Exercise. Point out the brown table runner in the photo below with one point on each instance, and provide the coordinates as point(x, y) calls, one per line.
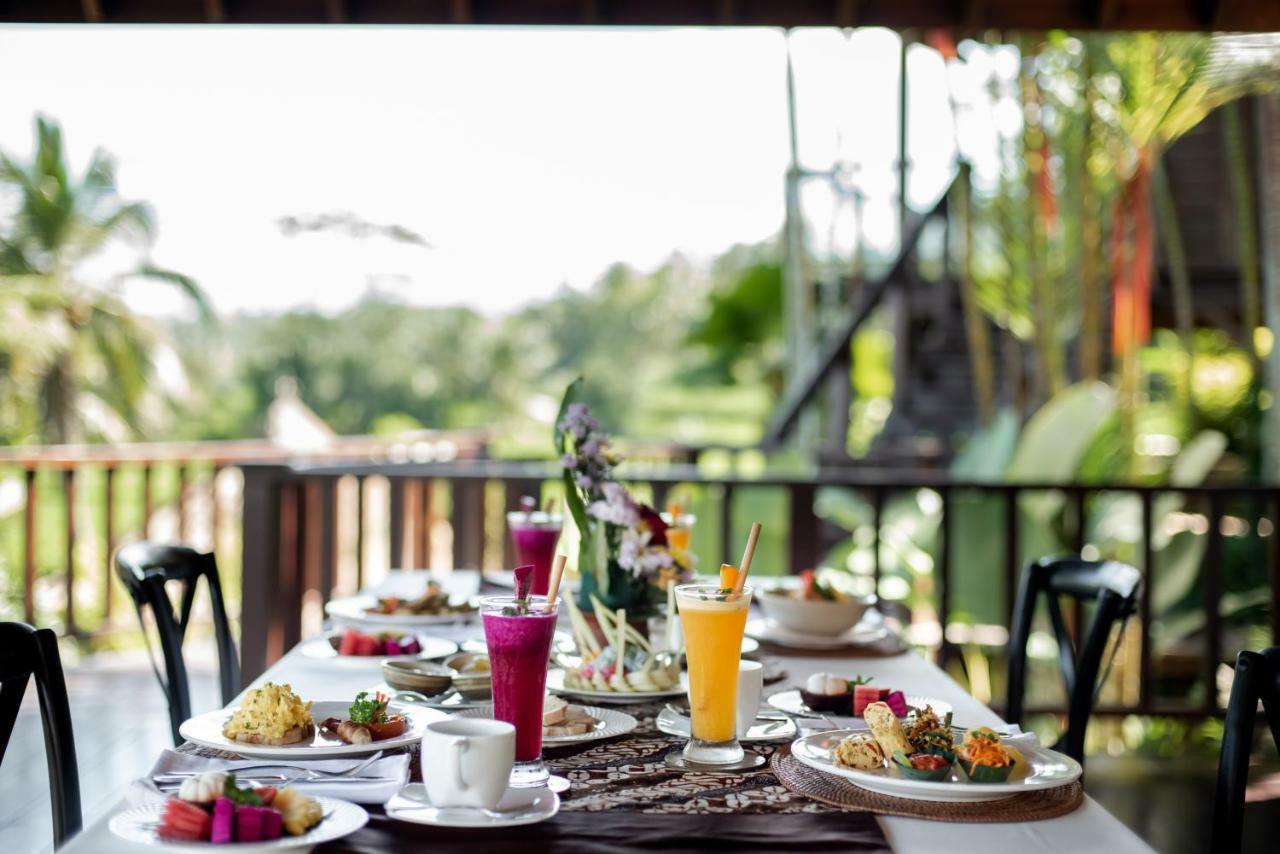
point(622, 797)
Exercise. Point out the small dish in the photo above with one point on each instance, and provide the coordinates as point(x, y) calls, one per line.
point(471, 676)
point(424, 677)
point(517, 807)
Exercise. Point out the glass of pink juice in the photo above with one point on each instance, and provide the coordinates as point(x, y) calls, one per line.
point(518, 633)
point(535, 535)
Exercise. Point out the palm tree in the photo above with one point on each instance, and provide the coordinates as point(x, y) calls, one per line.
point(67, 338)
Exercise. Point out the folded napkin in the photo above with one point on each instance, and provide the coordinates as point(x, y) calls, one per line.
point(387, 776)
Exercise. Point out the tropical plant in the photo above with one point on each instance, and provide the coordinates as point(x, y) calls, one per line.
point(68, 339)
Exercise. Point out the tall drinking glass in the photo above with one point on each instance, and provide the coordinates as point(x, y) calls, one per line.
point(518, 633)
point(713, 621)
point(535, 535)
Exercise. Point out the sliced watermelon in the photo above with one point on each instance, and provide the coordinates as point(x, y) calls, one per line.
point(183, 821)
point(349, 642)
point(367, 645)
point(865, 695)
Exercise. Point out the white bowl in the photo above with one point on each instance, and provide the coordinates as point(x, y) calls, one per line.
point(821, 617)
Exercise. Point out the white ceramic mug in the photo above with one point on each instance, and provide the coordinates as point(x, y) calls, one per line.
point(466, 762)
point(750, 686)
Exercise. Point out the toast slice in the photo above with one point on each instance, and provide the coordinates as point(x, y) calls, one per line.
point(554, 710)
point(291, 736)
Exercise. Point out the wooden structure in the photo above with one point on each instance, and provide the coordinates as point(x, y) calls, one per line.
point(1235, 15)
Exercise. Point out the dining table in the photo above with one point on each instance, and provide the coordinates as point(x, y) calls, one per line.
point(624, 799)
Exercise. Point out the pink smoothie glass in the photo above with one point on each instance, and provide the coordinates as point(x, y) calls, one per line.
point(518, 633)
point(535, 535)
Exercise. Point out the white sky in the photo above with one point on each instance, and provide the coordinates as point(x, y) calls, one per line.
point(528, 158)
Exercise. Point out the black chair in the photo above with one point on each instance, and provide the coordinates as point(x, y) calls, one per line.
point(1113, 588)
point(1257, 679)
point(145, 569)
point(25, 653)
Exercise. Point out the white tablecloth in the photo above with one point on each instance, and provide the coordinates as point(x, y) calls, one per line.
point(1089, 829)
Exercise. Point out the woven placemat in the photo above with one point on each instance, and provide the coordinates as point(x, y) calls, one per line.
point(837, 792)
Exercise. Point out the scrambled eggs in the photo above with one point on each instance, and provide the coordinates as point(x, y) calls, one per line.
point(269, 712)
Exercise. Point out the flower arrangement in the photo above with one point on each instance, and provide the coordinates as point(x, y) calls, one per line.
point(625, 558)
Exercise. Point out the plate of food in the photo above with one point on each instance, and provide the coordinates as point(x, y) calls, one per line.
point(812, 605)
point(866, 633)
point(566, 723)
point(433, 606)
point(612, 691)
point(275, 723)
point(931, 761)
point(353, 648)
point(214, 809)
point(832, 694)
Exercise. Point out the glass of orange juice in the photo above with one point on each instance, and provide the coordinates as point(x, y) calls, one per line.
point(712, 619)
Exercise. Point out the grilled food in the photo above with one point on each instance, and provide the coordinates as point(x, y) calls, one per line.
point(859, 751)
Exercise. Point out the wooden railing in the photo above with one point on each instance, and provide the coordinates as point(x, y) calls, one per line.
point(290, 535)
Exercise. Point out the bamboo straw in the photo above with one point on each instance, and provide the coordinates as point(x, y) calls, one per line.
point(553, 587)
point(620, 669)
point(747, 554)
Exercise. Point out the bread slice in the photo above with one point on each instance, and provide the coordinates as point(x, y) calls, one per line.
point(886, 728)
point(554, 710)
point(291, 736)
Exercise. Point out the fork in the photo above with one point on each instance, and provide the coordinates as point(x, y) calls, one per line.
point(306, 775)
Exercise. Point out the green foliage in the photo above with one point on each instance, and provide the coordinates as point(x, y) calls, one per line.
point(78, 364)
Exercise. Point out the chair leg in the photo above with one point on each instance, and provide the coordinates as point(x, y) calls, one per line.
point(10, 702)
point(59, 740)
point(1233, 763)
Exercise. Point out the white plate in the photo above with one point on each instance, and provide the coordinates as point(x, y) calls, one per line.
point(555, 684)
point(790, 701)
point(206, 730)
point(138, 826)
point(354, 611)
point(610, 723)
point(517, 807)
point(762, 729)
point(320, 649)
point(864, 634)
point(1044, 769)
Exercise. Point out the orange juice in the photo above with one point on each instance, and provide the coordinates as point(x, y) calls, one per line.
point(712, 623)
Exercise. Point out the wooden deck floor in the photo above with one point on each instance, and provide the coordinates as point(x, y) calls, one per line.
point(122, 724)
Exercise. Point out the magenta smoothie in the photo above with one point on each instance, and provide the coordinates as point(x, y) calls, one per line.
point(535, 535)
point(519, 634)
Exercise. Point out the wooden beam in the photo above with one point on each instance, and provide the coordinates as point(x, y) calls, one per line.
point(92, 11)
point(214, 12)
point(847, 13)
point(460, 11)
point(335, 11)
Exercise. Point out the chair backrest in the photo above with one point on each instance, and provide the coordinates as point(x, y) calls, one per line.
point(27, 653)
point(145, 569)
point(1114, 589)
point(1257, 680)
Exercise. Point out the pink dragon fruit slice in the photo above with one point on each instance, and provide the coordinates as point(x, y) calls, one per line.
point(272, 824)
point(897, 703)
point(524, 580)
point(224, 812)
point(249, 824)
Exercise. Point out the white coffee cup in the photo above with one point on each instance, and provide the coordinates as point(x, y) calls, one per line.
point(466, 762)
point(750, 686)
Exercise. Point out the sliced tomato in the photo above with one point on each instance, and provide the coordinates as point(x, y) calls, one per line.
point(393, 726)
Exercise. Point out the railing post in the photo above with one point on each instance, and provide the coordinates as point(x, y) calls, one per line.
point(1212, 569)
point(109, 524)
point(69, 492)
point(803, 541)
point(260, 565)
point(29, 564)
point(468, 523)
point(396, 486)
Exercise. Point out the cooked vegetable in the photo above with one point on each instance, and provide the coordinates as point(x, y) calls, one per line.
point(983, 758)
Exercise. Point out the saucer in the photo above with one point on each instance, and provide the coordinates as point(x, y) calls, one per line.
point(750, 762)
point(762, 729)
point(517, 807)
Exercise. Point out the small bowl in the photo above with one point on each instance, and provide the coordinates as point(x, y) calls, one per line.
point(470, 683)
point(820, 617)
point(425, 677)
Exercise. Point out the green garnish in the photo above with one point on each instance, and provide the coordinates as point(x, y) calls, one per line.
point(240, 797)
point(858, 680)
point(364, 711)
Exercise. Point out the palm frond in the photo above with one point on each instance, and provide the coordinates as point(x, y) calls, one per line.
point(187, 285)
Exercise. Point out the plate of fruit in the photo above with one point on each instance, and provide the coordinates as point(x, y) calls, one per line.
point(214, 809)
point(351, 647)
point(828, 693)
